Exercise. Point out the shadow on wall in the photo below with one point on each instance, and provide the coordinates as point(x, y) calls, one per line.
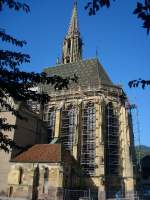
point(30, 130)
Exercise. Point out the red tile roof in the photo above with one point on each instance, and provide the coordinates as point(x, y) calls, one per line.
point(47, 153)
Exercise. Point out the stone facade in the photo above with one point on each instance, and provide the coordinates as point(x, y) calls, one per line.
point(81, 121)
point(42, 176)
point(25, 189)
point(27, 133)
point(97, 175)
point(5, 157)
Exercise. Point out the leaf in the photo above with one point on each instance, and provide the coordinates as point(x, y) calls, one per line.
point(142, 15)
point(137, 10)
point(139, 5)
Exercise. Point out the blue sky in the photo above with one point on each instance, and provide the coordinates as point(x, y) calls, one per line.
point(122, 43)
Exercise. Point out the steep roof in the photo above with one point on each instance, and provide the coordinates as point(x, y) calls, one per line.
point(41, 153)
point(90, 73)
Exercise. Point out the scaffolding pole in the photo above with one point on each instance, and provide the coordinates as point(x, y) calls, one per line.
point(68, 126)
point(88, 139)
point(112, 140)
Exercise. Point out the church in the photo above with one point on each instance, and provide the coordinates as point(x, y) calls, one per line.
point(89, 150)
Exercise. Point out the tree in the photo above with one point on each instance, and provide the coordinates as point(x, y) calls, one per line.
point(17, 84)
point(142, 11)
point(139, 82)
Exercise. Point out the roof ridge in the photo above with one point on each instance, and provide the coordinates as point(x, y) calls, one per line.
point(73, 63)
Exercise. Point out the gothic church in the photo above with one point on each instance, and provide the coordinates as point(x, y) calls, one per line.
point(89, 149)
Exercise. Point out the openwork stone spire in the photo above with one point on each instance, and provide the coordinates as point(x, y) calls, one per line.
point(73, 27)
point(72, 46)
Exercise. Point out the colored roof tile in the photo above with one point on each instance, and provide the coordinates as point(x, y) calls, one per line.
point(47, 153)
point(90, 73)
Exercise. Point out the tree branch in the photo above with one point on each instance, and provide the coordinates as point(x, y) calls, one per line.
point(14, 5)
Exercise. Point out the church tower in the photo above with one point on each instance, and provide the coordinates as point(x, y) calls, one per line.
point(72, 45)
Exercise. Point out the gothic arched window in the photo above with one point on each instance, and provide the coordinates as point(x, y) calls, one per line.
point(20, 178)
point(88, 138)
point(112, 139)
point(46, 176)
point(49, 117)
point(36, 178)
point(68, 126)
point(112, 150)
point(10, 191)
point(69, 45)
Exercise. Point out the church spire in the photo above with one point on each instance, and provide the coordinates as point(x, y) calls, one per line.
point(73, 27)
point(72, 46)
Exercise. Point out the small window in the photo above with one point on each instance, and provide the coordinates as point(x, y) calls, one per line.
point(50, 117)
point(69, 45)
point(20, 175)
point(46, 175)
point(10, 191)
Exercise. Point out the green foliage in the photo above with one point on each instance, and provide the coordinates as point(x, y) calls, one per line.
point(143, 12)
point(142, 151)
point(7, 38)
point(139, 82)
point(14, 5)
point(95, 5)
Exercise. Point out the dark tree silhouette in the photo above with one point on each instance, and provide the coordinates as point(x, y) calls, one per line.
point(17, 84)
point(16, 5)
point(143, 12)
point(139, 82)
point(95, 5)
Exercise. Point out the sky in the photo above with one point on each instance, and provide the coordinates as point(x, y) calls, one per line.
point(115, 33)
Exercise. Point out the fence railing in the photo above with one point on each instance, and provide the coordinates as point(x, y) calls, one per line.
point(12, 198)
point(79, 195)
point(128, 198)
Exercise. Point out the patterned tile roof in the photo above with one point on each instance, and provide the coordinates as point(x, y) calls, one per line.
point(47, 153)
point(90, 73)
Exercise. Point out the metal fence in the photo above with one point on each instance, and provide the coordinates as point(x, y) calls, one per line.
point(128, 198)
point(80, 195)
point(11, 198)
point(93, 195)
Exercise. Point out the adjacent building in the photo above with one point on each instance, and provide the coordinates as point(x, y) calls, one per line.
point(30, 130)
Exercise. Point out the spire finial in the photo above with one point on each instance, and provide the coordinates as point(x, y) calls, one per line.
point(96, 52)
point(75, 2)
point(73, 27)
point(72, 47)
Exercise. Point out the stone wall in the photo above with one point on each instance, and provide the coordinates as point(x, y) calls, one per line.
point(125, 143)
point(28, 132)
point(48, 187)
point(125, 155)
point(5, 157)
point(31, 130)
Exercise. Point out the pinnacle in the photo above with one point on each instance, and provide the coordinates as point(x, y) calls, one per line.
point(75, 2)
point(73, 27)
